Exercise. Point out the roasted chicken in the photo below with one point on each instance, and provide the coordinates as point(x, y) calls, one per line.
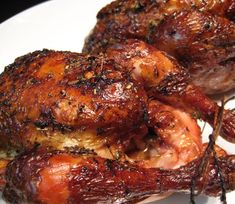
point(47, 94)
point(118, 124)
point(133, 105)
point(199, 34)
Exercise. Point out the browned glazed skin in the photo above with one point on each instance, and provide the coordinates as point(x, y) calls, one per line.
point(68, 100)
point(170, 84)
point(48, 95)
point(62, 99)
point(90, 179)
point(195, 37)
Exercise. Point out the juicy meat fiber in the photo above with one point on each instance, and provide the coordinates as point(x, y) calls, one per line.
point(197, 33)
point(83, 178)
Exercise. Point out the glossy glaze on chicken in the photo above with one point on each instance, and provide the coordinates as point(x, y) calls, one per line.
point(199, 34)
point(66, 99)
point(48, 94)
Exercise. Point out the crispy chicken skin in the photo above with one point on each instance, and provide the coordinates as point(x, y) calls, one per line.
point(47, 95)
point(87, 178)
point(188, 30)
point(121, 126)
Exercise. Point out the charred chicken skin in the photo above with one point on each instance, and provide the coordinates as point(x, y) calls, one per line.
point(162, 8)
point(199, 34)
point(110, 106)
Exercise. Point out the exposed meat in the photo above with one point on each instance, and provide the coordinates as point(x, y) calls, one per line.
point(188, 30)
point(35, 177)
point(179, 135)
point(175, 140)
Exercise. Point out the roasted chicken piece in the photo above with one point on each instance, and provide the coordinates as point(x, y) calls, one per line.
point(75, 102)
point(188, 30)
point(47, 96)
point(35, 176)
point(204, 44)
point(68, 100)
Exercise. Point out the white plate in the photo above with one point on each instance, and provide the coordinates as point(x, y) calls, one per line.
point(63, 25)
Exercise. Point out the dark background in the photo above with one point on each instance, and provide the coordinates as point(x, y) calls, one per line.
point(9, 8)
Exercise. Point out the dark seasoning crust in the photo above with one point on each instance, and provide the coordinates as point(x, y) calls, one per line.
point(123, 14)
point(172, 86)
point(81, 74)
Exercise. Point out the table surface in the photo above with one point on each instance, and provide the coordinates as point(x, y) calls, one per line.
point(11, 7)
